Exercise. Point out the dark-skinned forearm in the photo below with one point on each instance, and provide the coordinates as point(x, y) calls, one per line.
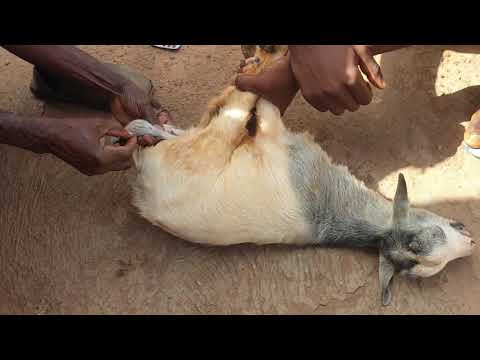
point(382, 49)
point(376, 49)
point(71, 63)
point(23, 132)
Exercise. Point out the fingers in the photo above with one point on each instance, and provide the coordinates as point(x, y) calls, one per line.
point(122, 152)
point(164, 117)
point(346, 101)
point(251, 83)
point(150, 114)
point(116, 158)
point(361, 91)
point(147, 140)
point(323, 103)
point(333, 105)
point(348, 96)
point(126, 109)
point(341, 100)
point(318, 102)
point(119, 133)
point(277, 85)
point(156, 104)
point(371, 68)
point(119, 112)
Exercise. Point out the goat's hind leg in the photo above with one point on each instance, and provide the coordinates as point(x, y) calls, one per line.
point(259, 57)
point(237, 105)
point(142, 127)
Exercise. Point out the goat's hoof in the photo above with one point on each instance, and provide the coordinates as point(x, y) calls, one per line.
point(248, 50)
point(250, 65)
point(268, 48)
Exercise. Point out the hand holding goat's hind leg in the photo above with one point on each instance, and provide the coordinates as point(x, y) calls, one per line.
point(141, 127)
point(260, 57)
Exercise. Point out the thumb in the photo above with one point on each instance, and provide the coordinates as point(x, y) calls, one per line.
point(371, 68)
point(119, 133)
point(118, 111)
point(111, 127)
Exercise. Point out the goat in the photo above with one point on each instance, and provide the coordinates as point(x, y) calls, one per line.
point(240, 176)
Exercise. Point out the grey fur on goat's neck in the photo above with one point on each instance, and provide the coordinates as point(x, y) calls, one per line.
point(343, 210)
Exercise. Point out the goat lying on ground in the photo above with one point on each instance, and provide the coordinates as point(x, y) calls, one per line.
point(241, 177)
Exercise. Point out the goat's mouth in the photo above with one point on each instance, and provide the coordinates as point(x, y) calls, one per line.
point(471, 244)
point(465, 233)
point(468, 237)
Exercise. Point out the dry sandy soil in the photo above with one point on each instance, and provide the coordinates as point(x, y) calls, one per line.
point(73, 244)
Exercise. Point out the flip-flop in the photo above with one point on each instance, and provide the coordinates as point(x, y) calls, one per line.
point(472, 151)
point(168, 47)
point(471, 137)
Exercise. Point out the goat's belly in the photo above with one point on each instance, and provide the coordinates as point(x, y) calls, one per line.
point(240, 203)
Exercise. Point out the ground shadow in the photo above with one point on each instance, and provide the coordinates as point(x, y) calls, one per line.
point(407, 124)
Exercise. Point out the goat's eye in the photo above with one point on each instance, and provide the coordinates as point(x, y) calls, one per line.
point(439, 232)
point(436, 232)
point(457, 225)
point(414, 246)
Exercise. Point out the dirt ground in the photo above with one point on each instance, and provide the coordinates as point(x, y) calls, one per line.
point(70, 244)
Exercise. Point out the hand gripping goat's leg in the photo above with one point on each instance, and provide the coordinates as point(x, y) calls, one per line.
point(141, 127)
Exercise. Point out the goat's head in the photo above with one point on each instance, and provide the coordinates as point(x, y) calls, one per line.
point(420, 243)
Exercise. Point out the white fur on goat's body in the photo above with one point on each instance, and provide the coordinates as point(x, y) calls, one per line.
point(244, 199)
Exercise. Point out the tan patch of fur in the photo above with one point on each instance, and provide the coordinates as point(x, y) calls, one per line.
point(266, 60)
point(215, 105)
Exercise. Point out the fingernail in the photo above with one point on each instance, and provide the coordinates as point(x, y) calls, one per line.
point(164, 117)
point(382, 80)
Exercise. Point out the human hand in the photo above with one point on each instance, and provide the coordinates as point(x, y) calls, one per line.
point(80, 143)
point(134, 103)
point(277, 84)
point(329, 75)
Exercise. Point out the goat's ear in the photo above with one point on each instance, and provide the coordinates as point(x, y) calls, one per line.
point(401, 203)
point(386, 271)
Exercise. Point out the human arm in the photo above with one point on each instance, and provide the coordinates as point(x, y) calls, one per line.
point(127, 101)
point(79, 142)
point(328, 76)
